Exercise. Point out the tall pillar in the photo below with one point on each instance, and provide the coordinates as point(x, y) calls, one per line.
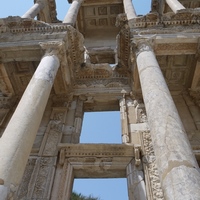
point(34, 10)
point(124, 120)
point(129, 9)
point(177, 166)
point(175, 5)
point(18, 138)
point(72, 13)
point(135, 179)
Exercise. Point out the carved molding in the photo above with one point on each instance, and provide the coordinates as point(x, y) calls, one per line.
point(123, 41)
point(182, 17)
point(97, 150)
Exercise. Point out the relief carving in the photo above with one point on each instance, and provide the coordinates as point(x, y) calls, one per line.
point(24, 187)
point(54, 138)
point(43, 182)
point(76, 47)
point(102, 10)
point(149, 161)
point(103, 22)
point(54, 135)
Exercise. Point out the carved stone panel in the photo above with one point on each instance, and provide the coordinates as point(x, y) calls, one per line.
point(38, 178)
point(177, 70)
point(54, 132)
point(43, 180)
point(23, 189)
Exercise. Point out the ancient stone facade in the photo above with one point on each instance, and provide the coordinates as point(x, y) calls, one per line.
point(101, 57)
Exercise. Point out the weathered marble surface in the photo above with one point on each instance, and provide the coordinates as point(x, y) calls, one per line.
point(17, 140)
point(172, 148)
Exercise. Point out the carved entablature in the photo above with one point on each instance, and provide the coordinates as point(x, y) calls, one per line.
point(184, 17)
point(18, 24)
point(25, 34)
point(149, 20)
point(76, 50)
point(100, 75)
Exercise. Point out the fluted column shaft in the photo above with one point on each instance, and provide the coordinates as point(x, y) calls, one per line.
point(19, 135)
point(34, 10)
point(177, 166)
point(175, 5)
point(72, 13)
point(129, 9)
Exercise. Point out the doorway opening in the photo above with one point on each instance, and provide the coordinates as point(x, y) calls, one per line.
point(102, 189)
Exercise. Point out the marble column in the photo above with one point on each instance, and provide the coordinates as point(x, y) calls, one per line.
point(18, 138)
point(124, 120)
point(175, 5)
point(177, 166)
point(129, 9)
point(135, 180)
point(72, 13)
point(34, 10)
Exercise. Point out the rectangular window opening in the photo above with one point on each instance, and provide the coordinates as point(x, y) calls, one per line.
point(101, 127)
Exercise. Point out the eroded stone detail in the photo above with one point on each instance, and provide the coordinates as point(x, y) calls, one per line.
point(24, 187)
point(149, 161)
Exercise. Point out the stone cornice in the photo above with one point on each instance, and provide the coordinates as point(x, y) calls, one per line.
point(183, 17)
point(27, 25)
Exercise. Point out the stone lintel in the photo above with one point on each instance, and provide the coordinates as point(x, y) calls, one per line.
point(95, 150)
point(97, 160)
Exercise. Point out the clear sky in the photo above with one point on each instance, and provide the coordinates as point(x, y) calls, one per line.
point(101, 127)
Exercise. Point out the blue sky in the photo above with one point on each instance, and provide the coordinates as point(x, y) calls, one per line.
point(101, 127)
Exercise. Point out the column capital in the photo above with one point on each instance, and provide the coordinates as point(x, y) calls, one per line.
point(52, 48)
point(142, 44)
